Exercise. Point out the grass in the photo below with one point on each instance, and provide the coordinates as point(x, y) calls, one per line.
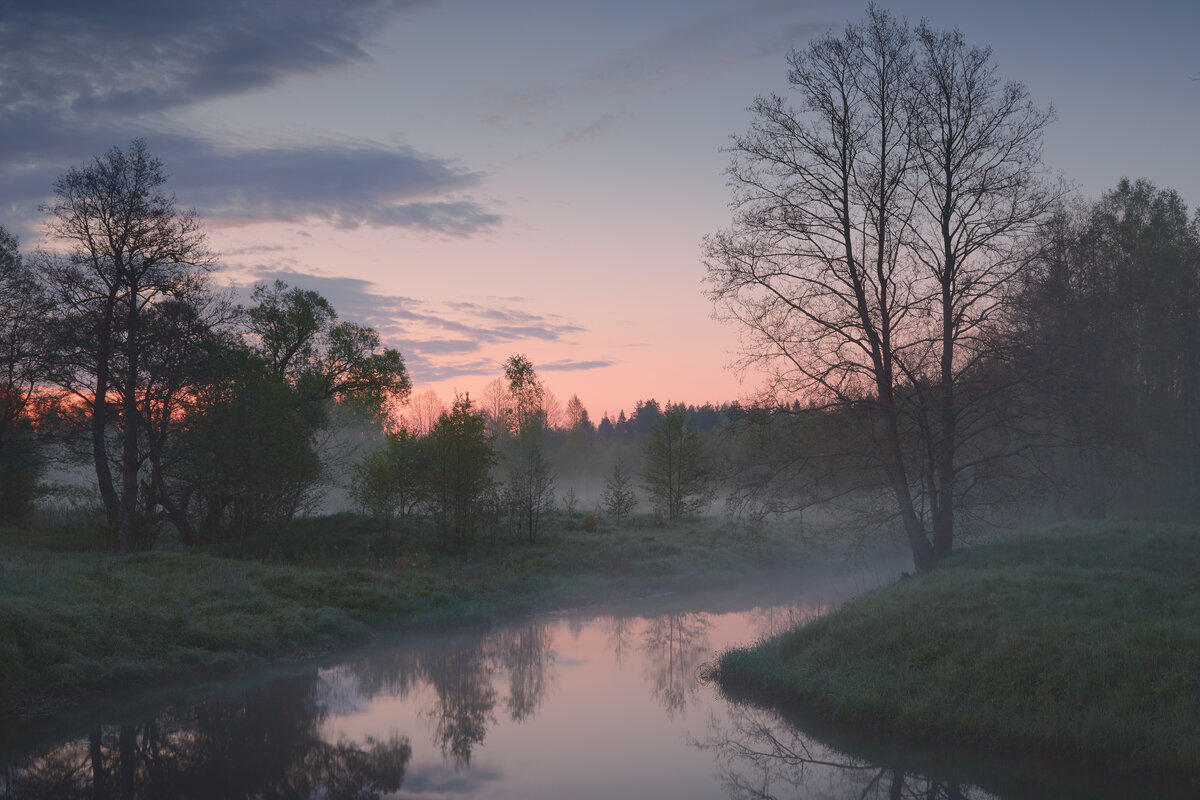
point(1079, 639)
point(74, 621)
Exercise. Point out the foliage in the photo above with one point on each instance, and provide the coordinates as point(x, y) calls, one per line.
point(460, 462)
point(618, 497)
point(676, 473)
point(1116, 282)
point(392, 480)
point(529, 487)
point(24, 361)
point(250, 459)
point(299, 334)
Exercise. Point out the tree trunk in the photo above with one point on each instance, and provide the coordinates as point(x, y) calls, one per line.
point(943, 521)
point(127, 521)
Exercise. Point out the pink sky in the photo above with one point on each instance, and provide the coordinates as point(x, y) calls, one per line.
point(481, 179)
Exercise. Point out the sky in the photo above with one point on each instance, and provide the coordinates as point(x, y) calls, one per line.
point(476, 179)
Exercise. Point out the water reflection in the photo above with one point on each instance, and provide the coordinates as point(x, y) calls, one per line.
point(587, 707)
point(675, 646)
point(760, 757)
point(462, 673)
point(265, 744)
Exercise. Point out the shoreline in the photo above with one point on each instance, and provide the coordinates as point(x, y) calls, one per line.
point(1075, 640)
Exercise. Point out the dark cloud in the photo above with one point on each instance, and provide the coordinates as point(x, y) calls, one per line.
point(134, 56)
point(346, 185)
point(77, 78)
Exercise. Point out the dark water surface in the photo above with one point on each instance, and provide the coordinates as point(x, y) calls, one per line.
point(603, 702)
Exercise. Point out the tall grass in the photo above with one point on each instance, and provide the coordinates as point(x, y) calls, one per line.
point(1081, 639)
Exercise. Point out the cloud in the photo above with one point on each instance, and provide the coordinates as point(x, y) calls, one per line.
point(439, 341)
point(688, 51)
point(346, 184)
point(78, 77)
point(590, 131)
point(572, 366)
point(129, 56)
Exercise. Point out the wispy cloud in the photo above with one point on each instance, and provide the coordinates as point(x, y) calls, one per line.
point(590, 131)
point(438, 340)
point(688, 51)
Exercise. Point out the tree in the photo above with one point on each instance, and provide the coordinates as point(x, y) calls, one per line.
point(250, 458)
point(530, 484)
point(299, 334)
point(459, 474)
point(422, 412)
point(618, 496)
point(577, 415)
point(1116, 282)
point(675, 472)
point(873, 229)
point(23, 363)
point(128, 247)
point(390, 481)
point(979, 188)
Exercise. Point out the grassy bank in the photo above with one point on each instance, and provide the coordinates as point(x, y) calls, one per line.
point(1080, 639)
point(74, 622)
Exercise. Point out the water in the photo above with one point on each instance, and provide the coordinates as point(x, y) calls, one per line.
point(597, 703)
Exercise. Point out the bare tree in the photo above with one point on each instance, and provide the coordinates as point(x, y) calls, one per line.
point(423, 412)
point(811, 267)
point(978, 183)
point(873, 231)
point(127, 247)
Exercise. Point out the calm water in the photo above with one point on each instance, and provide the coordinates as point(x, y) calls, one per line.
point(603, 702)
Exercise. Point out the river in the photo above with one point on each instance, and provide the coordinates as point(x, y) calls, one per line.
point(598, 702)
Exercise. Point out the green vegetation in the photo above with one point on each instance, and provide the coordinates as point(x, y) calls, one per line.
point(1080, 639)
point(75, 622)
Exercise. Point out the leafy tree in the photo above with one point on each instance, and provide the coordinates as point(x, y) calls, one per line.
point(23, 364)
point(299, 334)
point(389, 481)
point(251, 461)
point(675, 472)
point(128, 247)
point(459, 473)
point(1116, 282)
point(531, 481)
point(618, 496)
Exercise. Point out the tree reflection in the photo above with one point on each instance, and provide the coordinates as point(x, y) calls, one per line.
point(462, 681)
point(264, 744)
point(761, 757)
point(529, 660)
point(620, 636)
point(675, 646)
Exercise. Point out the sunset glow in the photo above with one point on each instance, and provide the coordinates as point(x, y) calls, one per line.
point(477, 180)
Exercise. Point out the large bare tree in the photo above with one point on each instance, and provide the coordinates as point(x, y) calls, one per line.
point(127, 247)
point(871, 233)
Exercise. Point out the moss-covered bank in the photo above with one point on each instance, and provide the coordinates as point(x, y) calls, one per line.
point(75, 622)
point(1078, 639)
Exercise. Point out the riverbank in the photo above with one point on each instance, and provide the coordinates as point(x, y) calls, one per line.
point(74, 623)
point(1080, 640)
